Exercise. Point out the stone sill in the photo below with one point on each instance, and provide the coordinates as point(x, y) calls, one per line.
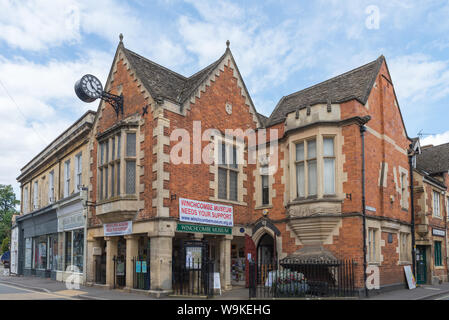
point(403, 263)
point(264, 207)
point(373, 263)
point(228, 201)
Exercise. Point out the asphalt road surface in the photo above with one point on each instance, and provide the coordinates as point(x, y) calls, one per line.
point(10, 292)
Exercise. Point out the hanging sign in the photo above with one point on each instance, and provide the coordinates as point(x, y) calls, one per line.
point(206, 212)
point(118, 228)
point(138, 266)
point(144, 267)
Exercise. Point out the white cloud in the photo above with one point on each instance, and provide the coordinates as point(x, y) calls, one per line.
point(46, 105)
point(436, 139)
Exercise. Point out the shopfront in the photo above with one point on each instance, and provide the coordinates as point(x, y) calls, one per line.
point(70, 239)
point(38, 232)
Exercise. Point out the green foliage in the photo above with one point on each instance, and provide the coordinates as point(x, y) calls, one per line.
point(8, 203)
point(5, 245)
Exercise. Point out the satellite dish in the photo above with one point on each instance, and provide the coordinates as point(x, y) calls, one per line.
point(88, 88)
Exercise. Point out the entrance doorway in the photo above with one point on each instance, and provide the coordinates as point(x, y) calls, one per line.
point(120, 263)
point(421, 265)
point(265, 249)
point(238, 261)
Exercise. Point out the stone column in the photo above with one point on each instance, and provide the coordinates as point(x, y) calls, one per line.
point(225, 262)
point(90, 265)
point(132, 248)
point(111, 251)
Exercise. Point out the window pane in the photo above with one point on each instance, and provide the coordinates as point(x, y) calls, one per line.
point(130, 177)
point(131, 144)
point(222, 183)
point(68, 249)
point(265, 190)
point(118, 146)
point(300, 151)
point(106, 184)
point(106, 157)
point(112, 180)
point(233, 185)
point(221, 153)
point(311, 149)
point(312, 178)
point(78, 248)
point(329, 176)
point(118, 178)
point(101, 153)
point(101, 185)
point(234, 157)
point(328, 147)
point(300, 182)
point(113, 149)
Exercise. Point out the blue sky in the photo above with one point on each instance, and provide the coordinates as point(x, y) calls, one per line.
point(279, 46)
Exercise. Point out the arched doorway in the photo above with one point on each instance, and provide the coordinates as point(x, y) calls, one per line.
point(266, 249)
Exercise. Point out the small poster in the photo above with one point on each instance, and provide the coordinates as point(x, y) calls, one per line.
point(193, 257)
point(121, 269)
point(410, 278)
point(144, 267)
point(217, 284)
point(138, 266)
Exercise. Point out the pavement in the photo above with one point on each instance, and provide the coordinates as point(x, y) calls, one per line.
point(422, 292)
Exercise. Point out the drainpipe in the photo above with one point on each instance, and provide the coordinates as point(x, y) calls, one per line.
point(362, 135)
point(84, 198)
point(412, 206)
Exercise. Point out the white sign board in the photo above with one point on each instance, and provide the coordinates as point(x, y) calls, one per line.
point(206, 212)
point(217, 284)
point(410, 278)
point(118, 228)
point(438, 232)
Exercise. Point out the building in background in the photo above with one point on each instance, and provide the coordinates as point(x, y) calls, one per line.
point(431, 181)
point(51, 225)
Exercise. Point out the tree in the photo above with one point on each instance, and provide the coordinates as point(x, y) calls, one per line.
point(8, 203)
point(5, 245)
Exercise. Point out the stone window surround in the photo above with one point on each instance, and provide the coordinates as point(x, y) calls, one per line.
point(408, 259)
point(320, 133)
point(377, 238)
point(258, 183)
point(439, 216)
point(122, 130)
point(241, 177)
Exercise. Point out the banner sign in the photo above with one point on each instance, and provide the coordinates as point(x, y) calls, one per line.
point(206, 212)
point(203, 229)
point(118, 228)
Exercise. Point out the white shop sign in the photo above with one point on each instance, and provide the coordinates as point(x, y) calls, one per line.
point(118, 228)
point(206, 212)
point(438, 232)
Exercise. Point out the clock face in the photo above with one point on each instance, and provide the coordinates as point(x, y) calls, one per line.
point(91, 86)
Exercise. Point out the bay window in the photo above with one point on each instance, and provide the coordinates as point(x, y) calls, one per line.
point(306, 168)
point(329, 166)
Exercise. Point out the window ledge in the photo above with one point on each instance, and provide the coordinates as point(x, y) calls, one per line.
point(228, 201)
point(270, 206)
point(402, 263)
point(440, 268)
point(114, 199)
point(373, 263)
point(315, 199)
point(405, 209)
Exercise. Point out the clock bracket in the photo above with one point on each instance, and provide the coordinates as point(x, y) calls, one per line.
point(115, 101)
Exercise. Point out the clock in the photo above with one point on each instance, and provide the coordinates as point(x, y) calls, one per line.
point(88, 88)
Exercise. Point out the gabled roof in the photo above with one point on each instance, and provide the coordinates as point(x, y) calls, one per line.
point(354, 84)
point(434, 160)
point(165, 83)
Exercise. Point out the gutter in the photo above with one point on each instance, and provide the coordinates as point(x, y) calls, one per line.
point(362, 135)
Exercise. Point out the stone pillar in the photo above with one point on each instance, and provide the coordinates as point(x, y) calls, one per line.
point(111, 251)
point(90, 265)
point(225, 262)
point(161, 249)
point(132, 248)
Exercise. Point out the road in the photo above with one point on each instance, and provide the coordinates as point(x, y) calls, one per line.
point(11, 292)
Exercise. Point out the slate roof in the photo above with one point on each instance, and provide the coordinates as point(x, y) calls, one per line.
point(165, 83)
point(434, 159)
point(354, 84)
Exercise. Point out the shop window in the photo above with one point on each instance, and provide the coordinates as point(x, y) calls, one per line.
point(53, 252)
point(40, 253)
point(68, 249)
point(227, 172)
point(28, 252)
point(436, 204)
point(78, 249)
point(437, 254)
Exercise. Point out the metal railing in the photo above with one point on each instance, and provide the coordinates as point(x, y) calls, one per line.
point(195, 277)
point(301, 278)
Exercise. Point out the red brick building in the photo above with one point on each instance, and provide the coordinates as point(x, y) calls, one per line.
point(431, 199)
point(301, 197)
